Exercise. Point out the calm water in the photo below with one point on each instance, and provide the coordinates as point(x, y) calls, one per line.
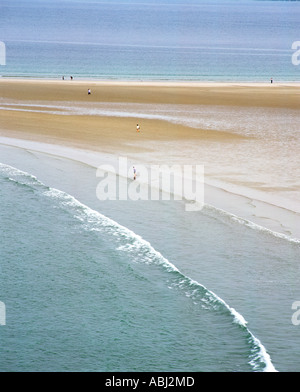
point(191, 40)
point(89, 286)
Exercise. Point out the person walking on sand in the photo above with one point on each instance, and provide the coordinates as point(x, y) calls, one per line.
point(134, 173)
point(137, 128)
point(89, 91)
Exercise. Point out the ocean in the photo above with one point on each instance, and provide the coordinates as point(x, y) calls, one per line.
point(150, 40)
point(136, 285)
point(145, 285)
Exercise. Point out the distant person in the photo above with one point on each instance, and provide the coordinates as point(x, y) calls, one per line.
point(63, 78)
point(137, 128)
point(89, 91)
point(271, 80)
point(134, 173)
point(71, 77)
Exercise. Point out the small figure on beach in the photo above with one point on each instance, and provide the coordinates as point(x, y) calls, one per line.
point(271, 80)
point(134, 173)
point(71, 77)
point(137, 128)
point(63, 78)
point(89, 91)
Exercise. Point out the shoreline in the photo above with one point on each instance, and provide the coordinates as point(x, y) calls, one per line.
point(28, 121)
point(151, 82)
point(46, 158)
point(255, 213)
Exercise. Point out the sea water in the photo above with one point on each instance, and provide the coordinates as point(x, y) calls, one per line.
point(150, 40)
point(136, 286)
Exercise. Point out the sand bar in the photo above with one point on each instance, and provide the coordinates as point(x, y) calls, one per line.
point(208, 93)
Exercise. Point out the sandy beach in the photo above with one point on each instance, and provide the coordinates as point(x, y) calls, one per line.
point(33, 116)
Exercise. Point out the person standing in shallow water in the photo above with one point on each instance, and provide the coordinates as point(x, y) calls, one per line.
point(134, 173)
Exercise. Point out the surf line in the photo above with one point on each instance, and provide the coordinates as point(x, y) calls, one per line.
point(259, 358)
point(84, 213)
point(252, 225)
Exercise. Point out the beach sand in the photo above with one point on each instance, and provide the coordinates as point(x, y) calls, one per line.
point(98, 139)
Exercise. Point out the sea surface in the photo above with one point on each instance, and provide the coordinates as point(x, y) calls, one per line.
point(136, 285)
point(150, 40)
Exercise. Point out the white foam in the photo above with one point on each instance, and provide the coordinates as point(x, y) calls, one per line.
point(135, 243)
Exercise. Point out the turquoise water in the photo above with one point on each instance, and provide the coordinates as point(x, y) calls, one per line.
point(135, 286)
point(192, 40)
